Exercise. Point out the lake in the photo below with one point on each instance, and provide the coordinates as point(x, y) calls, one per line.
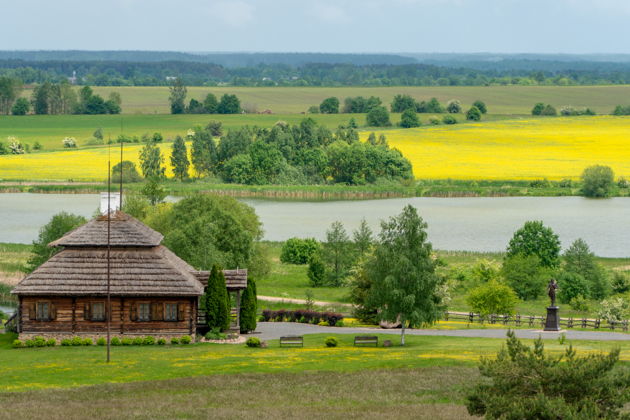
point(474, 224)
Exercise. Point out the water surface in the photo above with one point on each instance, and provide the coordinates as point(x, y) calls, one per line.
point(475, 224)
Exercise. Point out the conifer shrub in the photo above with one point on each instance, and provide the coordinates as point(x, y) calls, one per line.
point(331, 342)
point(138, 341)
point(127, 341)
point(186, 339)
point(51, 342)
point(17, 344)
point(87, 342)
point(77, 341)
point(217, 303)
point(161, 341)
point(249, 303)
point(148, 341)
point(174, 340)
point(115, 341)
point(253, 342)
point(66, 342)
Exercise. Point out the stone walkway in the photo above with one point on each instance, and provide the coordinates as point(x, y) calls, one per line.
point(274, 330)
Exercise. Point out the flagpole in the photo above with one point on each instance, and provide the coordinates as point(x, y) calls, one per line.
point(109, 303)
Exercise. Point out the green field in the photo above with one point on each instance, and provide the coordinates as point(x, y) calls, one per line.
point(430, 393)
point(285, 100)
point(49, 130)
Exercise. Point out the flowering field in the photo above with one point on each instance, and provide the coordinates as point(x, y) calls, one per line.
point(552, 148)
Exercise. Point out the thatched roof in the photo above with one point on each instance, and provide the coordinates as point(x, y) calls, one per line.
point(138, 271)
point(234, 279)
point(124, 231)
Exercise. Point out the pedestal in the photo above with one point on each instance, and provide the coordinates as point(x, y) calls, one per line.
point(553, 320)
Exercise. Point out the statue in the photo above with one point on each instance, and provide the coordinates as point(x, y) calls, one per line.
point(551, 291)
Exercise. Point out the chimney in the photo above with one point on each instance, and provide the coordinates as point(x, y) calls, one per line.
point(114, 202)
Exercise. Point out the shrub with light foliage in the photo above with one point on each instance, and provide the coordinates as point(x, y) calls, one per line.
point(492, 298)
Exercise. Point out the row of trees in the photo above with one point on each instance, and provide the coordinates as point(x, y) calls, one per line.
point(55, 98)
point(109, 72)
point(228, 104)
point(306, 153)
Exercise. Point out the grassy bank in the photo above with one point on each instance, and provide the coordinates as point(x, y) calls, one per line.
point(435, 393)
point(420, 188)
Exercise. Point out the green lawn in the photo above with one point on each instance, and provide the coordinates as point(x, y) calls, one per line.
point(435, 393)
point(41, 368)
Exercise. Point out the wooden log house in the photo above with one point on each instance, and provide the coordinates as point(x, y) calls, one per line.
point(153, 292)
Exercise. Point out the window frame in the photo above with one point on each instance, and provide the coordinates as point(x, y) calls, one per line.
point(139, 317)
point(40, 318)
point(175, 314)
point(92, 317)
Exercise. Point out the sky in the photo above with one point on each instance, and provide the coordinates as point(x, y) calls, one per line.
point(386, 26)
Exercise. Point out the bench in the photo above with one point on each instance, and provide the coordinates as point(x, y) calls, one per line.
point(360, 340)
point(292, 341)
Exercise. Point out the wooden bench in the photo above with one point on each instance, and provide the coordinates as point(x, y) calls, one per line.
point(292, 341)
point(360, 340)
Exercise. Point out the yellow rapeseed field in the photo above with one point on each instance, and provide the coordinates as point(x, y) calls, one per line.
point(77, 165)
point(552, 148)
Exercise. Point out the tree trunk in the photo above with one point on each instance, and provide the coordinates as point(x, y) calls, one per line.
point(402, 331)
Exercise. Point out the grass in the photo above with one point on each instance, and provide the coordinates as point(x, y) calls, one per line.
point(282, 100)
point(435, 393)
point(13, 259)
point(68, 367)
point(552, 148)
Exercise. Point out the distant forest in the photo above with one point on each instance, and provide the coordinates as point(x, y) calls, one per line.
point(146, 68)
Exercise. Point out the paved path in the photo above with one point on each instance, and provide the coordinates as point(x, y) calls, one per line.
point(274, 330)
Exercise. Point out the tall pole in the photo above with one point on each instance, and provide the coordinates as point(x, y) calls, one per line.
point(121, 175)
point(109, 219)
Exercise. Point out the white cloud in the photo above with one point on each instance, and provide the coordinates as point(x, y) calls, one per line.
point(329, 13)
point(233, 12)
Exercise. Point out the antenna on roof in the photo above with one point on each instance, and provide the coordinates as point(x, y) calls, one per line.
point(109, 217)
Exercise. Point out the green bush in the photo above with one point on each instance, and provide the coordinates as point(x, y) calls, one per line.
point(148, 341)
point(101, 341)
point(492, 298)
point(215, 334)
point(51, 342)
point(127, 341)
point(138, 341)
point(88, 342)
point(298, 251)
point(449, 119)
point(174, 340)
point(525, 275)
point(571, 285)
point(597, 181)
point(331, 342)
point(29, 343)
point(481, 106)
point(434, 120)
point(77, 341)
point(186, 339)
point(253, 342)
point(17, 344)
point(409, 118)
point(620, 282)
point(528, 383)
point(473, 114)
point(161, 341)
point(66, 342)
point(115, 341)
point(39, 341)
point(579, 303)
point(378, 117)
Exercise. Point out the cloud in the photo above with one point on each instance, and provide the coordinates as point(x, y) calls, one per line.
point(233, 12)
point(329, 13)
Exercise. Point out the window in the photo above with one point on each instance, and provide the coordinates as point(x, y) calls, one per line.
point(144, 312)
point(43, 311)
point(98, 311)
point(171, 312)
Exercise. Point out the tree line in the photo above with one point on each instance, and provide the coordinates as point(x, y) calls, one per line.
point(306, 153)
point(127, 73)
point(228, 104)
point(54, 98)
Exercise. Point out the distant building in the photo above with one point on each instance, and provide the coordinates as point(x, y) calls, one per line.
point(73, 80)
point(171, 78)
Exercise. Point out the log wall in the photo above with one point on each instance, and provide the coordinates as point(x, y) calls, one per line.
point(70, 317)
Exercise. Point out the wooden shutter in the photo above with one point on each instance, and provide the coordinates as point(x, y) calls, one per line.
point(87, 312)
point(180, 311)
point(155, 311)
point(133, 312)
point(32, 311)
point(53, 311)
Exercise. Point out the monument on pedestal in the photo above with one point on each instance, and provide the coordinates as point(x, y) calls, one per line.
point(552, 322)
